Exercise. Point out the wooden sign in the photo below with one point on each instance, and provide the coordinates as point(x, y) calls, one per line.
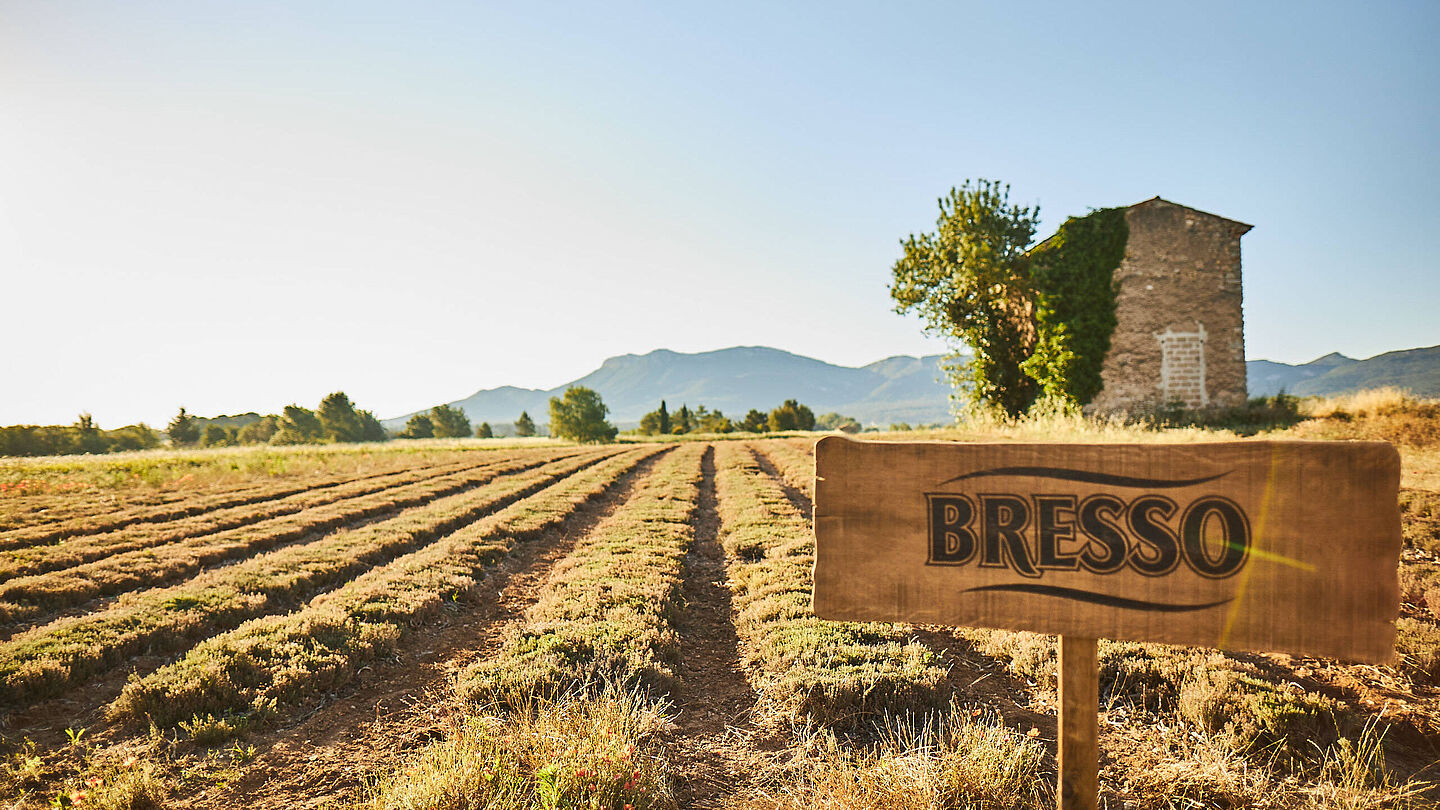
point(1269, 546)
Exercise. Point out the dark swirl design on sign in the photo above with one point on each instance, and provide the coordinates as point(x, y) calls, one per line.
point(1088, 477)
point(1097, 598)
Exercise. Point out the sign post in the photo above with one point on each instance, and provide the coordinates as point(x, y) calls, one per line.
point(1266, 546)
point(1078, 746)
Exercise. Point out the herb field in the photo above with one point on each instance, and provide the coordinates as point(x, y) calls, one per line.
point(535, 625)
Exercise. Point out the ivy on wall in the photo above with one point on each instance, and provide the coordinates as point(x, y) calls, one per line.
point(1073, 275)
point(1037, 319)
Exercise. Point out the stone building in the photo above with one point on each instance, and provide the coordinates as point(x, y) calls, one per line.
point(1180, 331)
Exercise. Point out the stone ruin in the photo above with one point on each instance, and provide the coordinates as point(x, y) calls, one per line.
point(1179, 337)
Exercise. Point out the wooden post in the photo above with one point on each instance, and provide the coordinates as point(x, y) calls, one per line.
point(1079, 738)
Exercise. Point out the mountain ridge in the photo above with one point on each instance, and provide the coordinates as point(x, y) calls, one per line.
point(1415, 370)
point(734, 380)
point(900, 388)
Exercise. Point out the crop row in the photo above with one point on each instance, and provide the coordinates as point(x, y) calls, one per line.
point(48, 659)
point(276, 660)
point(559, 718)
point(607, 612)
point(182, 505)
point(794, 460)
point(77, 551)
point(829, 672)
point(25, 598)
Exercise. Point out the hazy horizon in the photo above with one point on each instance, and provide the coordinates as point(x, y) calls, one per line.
point(234, 208)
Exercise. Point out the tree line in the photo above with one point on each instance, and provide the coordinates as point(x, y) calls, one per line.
point(579, 415)
point(788, 415)
point(82, 437)
point(445, 422)
point(336, 420)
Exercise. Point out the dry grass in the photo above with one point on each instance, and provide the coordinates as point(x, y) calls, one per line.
point(590, 750)
point(1175, 770)
point(1420, 519)
point(1385, 414)
point(1360, 404)
point(940, 762)
point(198, 470)
point(1418, 645)
point(1058, 425)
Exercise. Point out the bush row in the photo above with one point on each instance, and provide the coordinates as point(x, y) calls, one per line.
point(184, 505)
point(795, 461)
point(25, 598)
point(275, 660)
point(832, 673)
point(79, 550)
point(608, 609)
point(46, 660)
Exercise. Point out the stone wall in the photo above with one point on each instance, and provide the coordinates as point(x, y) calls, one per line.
point(1180, 334)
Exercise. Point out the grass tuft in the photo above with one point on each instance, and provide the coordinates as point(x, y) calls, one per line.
point(939, 761)
point(594, 748)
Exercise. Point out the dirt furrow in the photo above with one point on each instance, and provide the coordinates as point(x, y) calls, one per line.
point(717, 745)
point(796, 496)
point(394, 707)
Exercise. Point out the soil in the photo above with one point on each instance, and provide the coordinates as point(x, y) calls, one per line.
point(717, 746)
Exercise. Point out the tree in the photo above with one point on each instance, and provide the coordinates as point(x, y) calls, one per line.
point(450, 423)
point(338, 420)
point(215, 436)
point(91, 439)
point(419, 427)
point(656, 422)
point(298, 426)
point(183, 430)
point(580, 416)
point(791, 415)
point(524, 425)
point(755, 422)
point(835, 421)
point(711, 421)
point(259, 432)
point(370, 428)
point(681, 423)
point(831, 421)
point(970, 283)
point(133, 437)
point(484, 431)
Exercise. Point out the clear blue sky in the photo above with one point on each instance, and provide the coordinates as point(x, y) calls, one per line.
point(232, 206)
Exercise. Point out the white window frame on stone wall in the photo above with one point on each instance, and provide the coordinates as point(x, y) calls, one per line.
point(1170, 342)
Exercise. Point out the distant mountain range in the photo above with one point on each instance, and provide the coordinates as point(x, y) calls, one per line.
point(1416, 370)
point(896, 389)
